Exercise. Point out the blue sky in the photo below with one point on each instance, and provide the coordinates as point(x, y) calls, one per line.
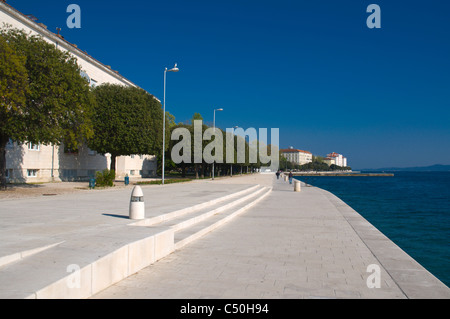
point(313, 69)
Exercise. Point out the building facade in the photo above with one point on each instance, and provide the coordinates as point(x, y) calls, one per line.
point(296, 156)
point(337, 159)
point(41, 163)
point(329, 161)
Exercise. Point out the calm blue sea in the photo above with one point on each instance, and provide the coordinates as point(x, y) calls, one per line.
point(411, 208)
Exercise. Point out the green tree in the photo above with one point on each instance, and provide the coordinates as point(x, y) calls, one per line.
point(317, 158)
point(196, 116)
point(57, 105)
point(127, 120)
point(179, 166)
point(13, 79)
point(199, 168)
point(170, 120)
point(13, 89)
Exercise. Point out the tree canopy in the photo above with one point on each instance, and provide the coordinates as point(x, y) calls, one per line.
point(13, 82)
point(223, 164)
point(58, 103)
point(43, 98)
point(126, 121)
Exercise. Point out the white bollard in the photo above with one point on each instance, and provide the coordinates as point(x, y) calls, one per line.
point(137, 207)
point(297, 185)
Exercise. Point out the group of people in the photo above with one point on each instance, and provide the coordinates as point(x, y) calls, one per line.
point(278, 173)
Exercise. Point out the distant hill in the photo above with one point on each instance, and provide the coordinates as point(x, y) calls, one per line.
point(432, 168)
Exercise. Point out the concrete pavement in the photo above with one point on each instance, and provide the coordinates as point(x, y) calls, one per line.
point(240, 237)
point(42, 240)
point(290, 245)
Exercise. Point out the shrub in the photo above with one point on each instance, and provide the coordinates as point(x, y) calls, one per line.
point(105, 178)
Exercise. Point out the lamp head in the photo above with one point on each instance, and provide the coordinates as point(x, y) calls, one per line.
point(174, 69)
point(219, 109)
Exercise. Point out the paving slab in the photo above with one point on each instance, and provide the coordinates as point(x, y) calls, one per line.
point(30, 223)
point(306, 244)
point(41, 237)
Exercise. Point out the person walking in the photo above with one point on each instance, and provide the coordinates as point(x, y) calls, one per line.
point(290, 177)
point(278, 174)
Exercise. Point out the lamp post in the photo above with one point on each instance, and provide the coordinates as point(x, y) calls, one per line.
point(214, 128)
point(231, 171)
point(174, 69)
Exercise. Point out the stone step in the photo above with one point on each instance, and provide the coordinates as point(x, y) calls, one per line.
point(154, 220)
point(195, 231)
point(13, 252)
point(89, 261)
point(101, 259)
point(196, 216)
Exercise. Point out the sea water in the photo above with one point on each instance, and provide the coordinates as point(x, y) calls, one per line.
point(410, 208)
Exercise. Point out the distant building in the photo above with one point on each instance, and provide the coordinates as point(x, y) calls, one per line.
point(337, 159)
point(41, 163)
point(296, 156)
point(329, 161)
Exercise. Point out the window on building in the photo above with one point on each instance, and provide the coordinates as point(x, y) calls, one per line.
point(33, 147)
point(85, 76)
point(68, 174)
point(93, 83)
point(132, 156)
point(32, 172)
point(132, 172)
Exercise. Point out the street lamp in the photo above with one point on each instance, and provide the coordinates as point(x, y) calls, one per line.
point(174, 69)
point(214, 127)
point(231, 171)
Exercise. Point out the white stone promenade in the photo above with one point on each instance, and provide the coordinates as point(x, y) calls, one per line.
point(239, 237)
point(290, 245)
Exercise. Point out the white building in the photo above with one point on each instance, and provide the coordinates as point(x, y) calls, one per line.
point(329, 161)
point(40, 163)
point(337, 159)
point(296, 156)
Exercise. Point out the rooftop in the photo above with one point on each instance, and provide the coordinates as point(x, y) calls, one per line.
point(291, 150)
point(42, 29)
